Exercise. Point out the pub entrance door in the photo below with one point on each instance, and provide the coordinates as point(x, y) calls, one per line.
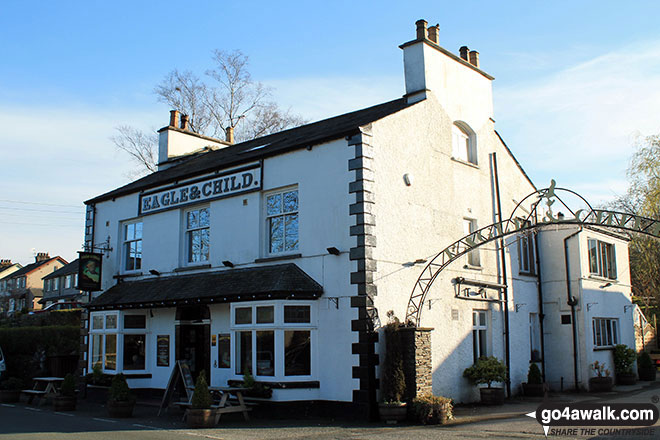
point(193, 338)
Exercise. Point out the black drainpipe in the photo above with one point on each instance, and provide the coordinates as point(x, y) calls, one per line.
point(571, 301)
point(540, 290)
point(505, 293)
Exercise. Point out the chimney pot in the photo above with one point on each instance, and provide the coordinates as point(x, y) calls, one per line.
point(41, 256)
point(434, 32)
point(474, 58)
point(184, 122)
point(174, 118)
point(421, 29)
point(464, 52)
point(230, 134)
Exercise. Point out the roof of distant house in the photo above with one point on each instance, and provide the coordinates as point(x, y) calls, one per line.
point(34, 266)
point(65, 270)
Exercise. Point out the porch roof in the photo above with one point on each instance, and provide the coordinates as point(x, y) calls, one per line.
point(281, 281)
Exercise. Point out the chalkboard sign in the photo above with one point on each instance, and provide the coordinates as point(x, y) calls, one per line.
point(181, 371)
point(163, 351)
point(186, 375)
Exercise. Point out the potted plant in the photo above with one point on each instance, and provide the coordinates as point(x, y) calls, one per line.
point(10, 390)
point(602, 382)
point(66, 399)
point(624, 359)
point(645, 367)
point(432, 410)
point(488, 370)
point(534, 386)
point(201, 415)
point(392, 408)
point(121, 401)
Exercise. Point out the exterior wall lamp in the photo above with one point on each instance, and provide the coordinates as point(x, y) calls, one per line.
point(333, 251)
point(227, 263)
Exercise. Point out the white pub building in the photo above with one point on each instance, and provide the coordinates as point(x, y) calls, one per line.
point(278, 255)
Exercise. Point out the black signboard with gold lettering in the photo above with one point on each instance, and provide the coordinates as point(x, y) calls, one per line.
point(89, 271)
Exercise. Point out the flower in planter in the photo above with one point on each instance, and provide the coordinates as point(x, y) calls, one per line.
point(599, 369)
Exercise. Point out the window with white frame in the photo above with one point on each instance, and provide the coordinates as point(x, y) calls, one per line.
point(109, 339)
point(132, 245)
point(273, 340)
point(55, 283)
point(479, 334)
point(526, 254)
point(67, 281)
point(103, 335)
point(605, 331)
point(134, 340)
point(463, 144)
point(602, 259)
point(534, 337)
point(282, 221)
point(197, 235)
point(470, 226)
point(75, 280)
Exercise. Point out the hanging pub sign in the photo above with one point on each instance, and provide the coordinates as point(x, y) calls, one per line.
point(89, 271)
point(231, 183)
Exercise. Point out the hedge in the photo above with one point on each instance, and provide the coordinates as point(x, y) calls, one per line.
point(63, 317)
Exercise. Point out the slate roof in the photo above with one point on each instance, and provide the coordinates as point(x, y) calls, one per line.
point(30, 267)
point(279, 281)
point(266, 146)
point(67, 269)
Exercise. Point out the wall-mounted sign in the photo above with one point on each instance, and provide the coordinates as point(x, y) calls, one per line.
point(236, 182)
point(89, 271)
point(163, 351)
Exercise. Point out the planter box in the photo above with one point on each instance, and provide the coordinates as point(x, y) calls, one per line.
point(392, 413)
point(600, 384)
point(533, 389)
point(647, 373)
point(626, 379)
point(200, 418)
point(120, 410)
point(97, 393)
point(492, 396)
point(10, 396)
point(61, 403)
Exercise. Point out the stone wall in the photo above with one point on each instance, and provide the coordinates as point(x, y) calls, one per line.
point(417, 361)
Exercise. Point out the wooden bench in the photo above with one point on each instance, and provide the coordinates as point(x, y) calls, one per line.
point(32, 393)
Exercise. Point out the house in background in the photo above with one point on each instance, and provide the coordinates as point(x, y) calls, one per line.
point(6, 269)
point(26, 285)
point(62, 285)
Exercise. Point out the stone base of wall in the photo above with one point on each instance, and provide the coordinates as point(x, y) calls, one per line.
point(417, 361)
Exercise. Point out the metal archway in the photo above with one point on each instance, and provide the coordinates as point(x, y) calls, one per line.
point(537, 217)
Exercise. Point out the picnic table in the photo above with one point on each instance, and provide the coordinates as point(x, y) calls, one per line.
point(223, 404)
point(44, 387)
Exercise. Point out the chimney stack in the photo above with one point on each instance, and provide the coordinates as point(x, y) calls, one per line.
point(464, 52)
point(434, 32)
point(230, 134)
point(421, 29)
point(184, 122)
point(41, 256)
point(474, 58)
point(174, 118)
point(5, 263)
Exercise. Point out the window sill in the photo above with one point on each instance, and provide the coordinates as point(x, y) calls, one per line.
point(464, 162)
point(604, 279)
point(603, 348)
point(471, 267)
point(278, 258)
point(195, 267)
point(528, 274)
point(127, 275)
point(281, 385)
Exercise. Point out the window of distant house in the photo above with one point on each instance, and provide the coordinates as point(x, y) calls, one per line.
point(470, 226)
point(282, 221)
point(526, 253)
point(21, 282)
point(463, 143)
point(197, 239)
point(67, 282)
point(133, 246)
point(602, 259)
point(56, 283)
point(605, 332)
point(479, 334)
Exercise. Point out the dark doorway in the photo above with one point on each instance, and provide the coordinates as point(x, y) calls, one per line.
point(193, 338)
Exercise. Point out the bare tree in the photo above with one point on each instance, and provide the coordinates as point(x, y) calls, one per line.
point(229, 98)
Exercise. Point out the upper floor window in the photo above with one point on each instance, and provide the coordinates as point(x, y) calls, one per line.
point(67, 281)
point(470, 226)
point(198, 223)
point(133, 246)
point(602, 259)
point(464, 143)
point(282, 221)
point(56, 283)
point(479, 334)
point(526, 254)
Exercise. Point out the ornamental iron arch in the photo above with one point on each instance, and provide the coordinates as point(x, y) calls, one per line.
point(536, 217)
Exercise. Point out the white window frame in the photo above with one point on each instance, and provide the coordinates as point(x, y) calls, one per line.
point(605, 268)
point(187, 260)
point(526, 254)
point(127, 241)
point(119, 332)
point(473, 257)
point(134, 331)
point(67, 281)
point(476, 337)
point(279, 327)
point(605, 332)
point(464, 143)
point(282, 214)
point(56, 284)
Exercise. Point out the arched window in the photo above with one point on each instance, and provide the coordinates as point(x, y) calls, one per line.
point(464, 143)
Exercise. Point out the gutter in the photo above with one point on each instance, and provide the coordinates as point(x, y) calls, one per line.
point(572, 301)
point(540, 294)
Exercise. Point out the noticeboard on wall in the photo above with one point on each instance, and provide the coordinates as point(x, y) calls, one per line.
point(163, 351)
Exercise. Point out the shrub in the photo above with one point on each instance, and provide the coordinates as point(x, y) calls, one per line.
point(119, 390)
point(393, 378)
point(644, 361)
point(624, 358)
point(201, 398)
point(68, 388)
point(486, 370)
point(432, 410)
point(11, 384)
point(599, 369)
point(534, 375)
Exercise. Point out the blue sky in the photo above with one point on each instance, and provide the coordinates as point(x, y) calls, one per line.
point(576, 84)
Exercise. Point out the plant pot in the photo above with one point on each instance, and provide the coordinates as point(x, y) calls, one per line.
point(64, 403)
point(392, 412)
point(492, 396)
point(626, 379)
point(600, 384)
point(200, 418)
point(120, 410)
point(647, 373)
point(533, 389)
point(10, 396)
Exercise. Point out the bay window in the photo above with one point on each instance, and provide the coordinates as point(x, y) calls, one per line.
point(118, 346)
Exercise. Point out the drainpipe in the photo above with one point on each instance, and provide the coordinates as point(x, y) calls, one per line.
point(540, 291)
point(505, 292)
point(572, 301)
